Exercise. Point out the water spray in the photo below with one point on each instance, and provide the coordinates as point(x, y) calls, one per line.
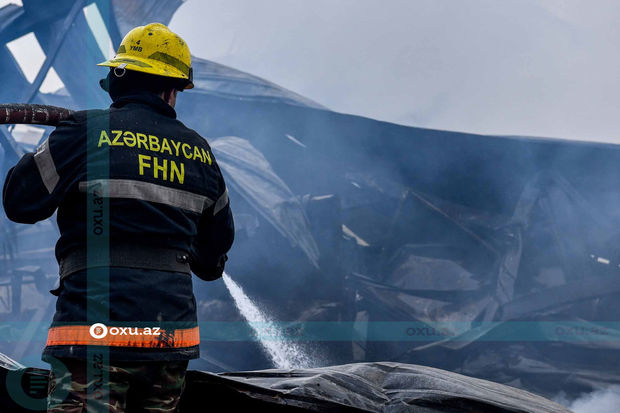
point(283, 353)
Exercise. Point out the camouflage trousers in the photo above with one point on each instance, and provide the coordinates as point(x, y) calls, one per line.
point(77, 387)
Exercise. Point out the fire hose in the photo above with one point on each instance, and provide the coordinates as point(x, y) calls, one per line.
point(12, 113)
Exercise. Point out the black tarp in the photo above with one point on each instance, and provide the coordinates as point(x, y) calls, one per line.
point(360, 387)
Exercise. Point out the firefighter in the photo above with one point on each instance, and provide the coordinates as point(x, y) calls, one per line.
point(141, 204)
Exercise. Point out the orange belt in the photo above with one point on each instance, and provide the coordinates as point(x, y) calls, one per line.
point(123, 337)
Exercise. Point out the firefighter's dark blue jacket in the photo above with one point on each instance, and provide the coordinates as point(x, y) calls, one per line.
point(133, 176)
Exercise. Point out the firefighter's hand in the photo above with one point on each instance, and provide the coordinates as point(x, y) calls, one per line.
point(210, 273)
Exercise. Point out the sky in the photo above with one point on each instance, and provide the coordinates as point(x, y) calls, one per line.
point(514, 67)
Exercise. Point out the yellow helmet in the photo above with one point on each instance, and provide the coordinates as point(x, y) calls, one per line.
point(154, 49)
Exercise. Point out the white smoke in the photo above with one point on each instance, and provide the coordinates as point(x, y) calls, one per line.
point(599, 401)
point(440, 64)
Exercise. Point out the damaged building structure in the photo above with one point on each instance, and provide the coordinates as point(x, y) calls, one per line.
point(494, 257)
